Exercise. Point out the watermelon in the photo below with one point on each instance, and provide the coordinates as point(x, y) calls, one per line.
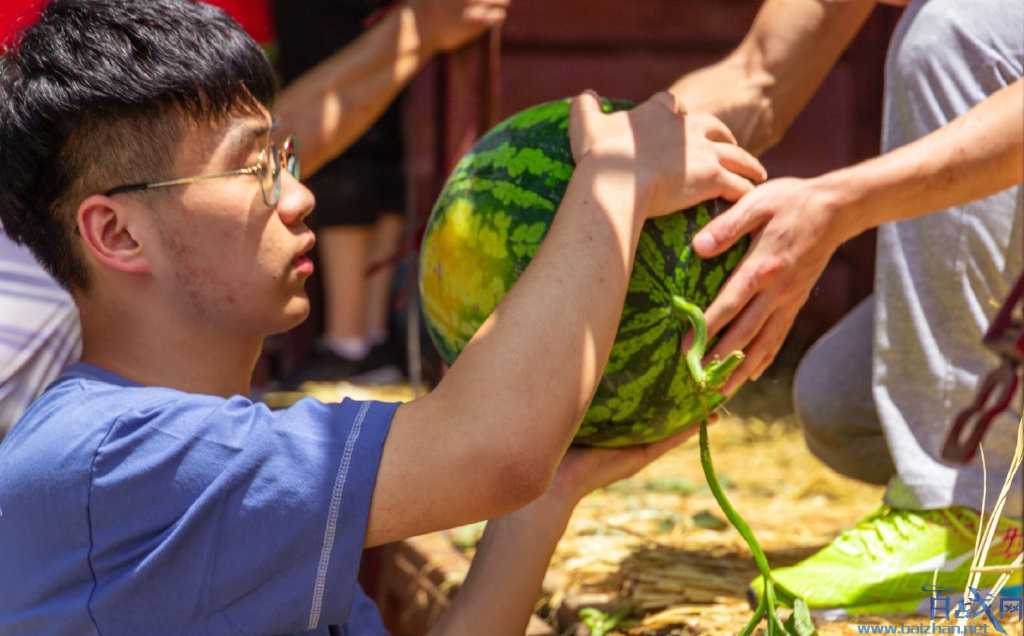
point(489, 221)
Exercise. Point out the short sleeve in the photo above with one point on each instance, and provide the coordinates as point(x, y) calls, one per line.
point(364, 619)
point(249, 520)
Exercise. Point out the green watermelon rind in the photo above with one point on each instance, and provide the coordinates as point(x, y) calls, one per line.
point(647, 391)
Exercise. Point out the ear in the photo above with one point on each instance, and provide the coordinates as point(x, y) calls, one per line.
point(106, 230)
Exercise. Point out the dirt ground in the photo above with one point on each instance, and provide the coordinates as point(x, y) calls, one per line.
point(658, 546)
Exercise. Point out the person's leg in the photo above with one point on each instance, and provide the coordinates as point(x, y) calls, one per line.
point(834, 404)
point(387, 234)
point(356, 231)
point(344, 253)
point(941, 278)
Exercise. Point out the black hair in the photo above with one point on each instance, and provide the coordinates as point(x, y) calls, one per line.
point(96, 93)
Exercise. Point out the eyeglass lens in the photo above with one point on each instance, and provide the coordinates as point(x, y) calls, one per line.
point(291, 158)
point(285, 154)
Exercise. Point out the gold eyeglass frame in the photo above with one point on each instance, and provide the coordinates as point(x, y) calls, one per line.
point(283, 155)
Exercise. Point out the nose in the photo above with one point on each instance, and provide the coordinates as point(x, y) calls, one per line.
point(297, 202)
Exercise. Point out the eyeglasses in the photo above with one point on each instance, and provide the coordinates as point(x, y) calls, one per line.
point(267, 168)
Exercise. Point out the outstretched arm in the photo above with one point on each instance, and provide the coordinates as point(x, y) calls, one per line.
point(760, 88)
point(801, 222)
point(487, 440)
point(329, 107)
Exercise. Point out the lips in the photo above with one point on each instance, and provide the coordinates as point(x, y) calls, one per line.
point(303, 265)
point(302, 262)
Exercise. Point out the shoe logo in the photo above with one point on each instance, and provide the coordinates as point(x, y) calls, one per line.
point(939, 562)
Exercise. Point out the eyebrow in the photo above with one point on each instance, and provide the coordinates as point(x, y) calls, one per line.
point(243, 138)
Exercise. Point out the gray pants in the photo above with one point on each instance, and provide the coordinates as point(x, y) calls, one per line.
point(878, 393)
point(834, 403)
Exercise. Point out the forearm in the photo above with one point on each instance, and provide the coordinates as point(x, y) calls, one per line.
point(503, 415)
point(977, 154)
point(504, 582)
point(760, 88)
point(530, 371)
point(330, 106)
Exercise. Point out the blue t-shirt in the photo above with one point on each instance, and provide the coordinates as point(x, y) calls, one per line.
point(127, 510)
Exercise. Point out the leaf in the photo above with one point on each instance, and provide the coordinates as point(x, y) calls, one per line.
point(799, 622)
point(599, 623)
point(707, 520)
point(666, 524)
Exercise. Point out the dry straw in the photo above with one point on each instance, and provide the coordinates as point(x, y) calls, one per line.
point(988, 527)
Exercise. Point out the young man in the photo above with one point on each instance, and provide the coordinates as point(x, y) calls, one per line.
point(877, 394)
point(329, 107)
point(141, 494)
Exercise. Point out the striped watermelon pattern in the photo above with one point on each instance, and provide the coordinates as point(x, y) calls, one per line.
point(488, 223)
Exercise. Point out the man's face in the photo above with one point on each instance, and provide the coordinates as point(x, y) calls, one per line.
point(222, 254)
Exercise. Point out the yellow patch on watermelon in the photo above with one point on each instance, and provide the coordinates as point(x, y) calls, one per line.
point(464, 270)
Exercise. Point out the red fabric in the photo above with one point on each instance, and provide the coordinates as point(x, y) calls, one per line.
point(253, 15)
point(15, 17)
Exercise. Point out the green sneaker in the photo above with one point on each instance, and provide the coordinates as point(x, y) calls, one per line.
point(887, 563)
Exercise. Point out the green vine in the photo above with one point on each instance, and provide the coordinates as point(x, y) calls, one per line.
point(799, 622)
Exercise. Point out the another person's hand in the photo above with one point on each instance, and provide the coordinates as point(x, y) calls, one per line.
point(584, 470)
point(675, 159)
point(796, 234)
point(448, 24)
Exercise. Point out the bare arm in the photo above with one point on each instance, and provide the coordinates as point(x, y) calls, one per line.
point(977, 154)
point(760, 88)
point(801, 222)
point(332, 105)
point(488, 439)
point(505, 579)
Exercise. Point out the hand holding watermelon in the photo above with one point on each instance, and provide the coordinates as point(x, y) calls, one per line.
point(584, 470)
point(678, 160)
point(797, 231)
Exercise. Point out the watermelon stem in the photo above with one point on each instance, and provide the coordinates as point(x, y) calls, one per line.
point(684, 309)
point(755, 620)
point(720, 370)
point(766, 607)
point(723, 502)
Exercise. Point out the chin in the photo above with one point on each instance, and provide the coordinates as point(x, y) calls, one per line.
point(294, 313)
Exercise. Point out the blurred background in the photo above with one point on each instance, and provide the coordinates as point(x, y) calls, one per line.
point(549, 50)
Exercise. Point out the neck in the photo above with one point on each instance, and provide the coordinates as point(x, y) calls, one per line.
point(160, 351)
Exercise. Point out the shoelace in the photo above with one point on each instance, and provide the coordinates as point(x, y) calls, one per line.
point(955, 520)
point(881, 533)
